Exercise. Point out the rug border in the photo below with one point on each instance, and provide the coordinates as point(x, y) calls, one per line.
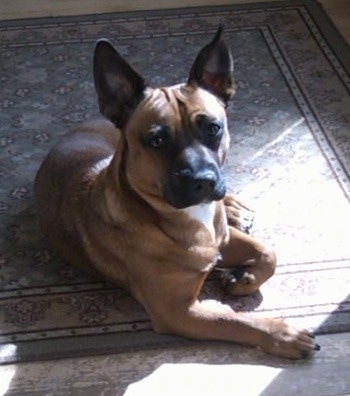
point(325, 24)
point(85, 346)
point(94, 345)
point(331, 34)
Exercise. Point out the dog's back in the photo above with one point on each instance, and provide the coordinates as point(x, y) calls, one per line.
point(63, 181)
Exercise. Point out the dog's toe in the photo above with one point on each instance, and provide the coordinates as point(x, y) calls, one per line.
point(247, 221)
point(233, 278)
point(243, 220)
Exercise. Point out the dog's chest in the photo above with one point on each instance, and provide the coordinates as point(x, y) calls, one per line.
point(204, 214)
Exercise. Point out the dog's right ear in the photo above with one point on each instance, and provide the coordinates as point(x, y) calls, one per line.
point(119, 87)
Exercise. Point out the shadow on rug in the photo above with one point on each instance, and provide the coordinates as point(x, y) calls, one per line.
point(290, 158)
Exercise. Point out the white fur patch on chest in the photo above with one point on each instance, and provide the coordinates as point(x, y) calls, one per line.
point(204, 213)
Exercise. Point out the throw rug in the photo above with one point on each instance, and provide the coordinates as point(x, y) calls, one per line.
point(289, 160)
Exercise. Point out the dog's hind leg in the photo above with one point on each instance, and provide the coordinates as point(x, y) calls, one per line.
point(246, 263)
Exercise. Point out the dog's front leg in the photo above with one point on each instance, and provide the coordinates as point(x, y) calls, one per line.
point(212, 320)
point(238, 215)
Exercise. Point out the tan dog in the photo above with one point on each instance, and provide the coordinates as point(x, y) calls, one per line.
point(145, 206)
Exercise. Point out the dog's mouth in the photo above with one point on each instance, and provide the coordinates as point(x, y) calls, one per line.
point(194, 192)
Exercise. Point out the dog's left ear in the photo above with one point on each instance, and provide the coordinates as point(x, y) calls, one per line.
point(213, 69)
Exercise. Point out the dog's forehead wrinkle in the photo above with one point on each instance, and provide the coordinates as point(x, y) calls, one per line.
point(188, 105)
point(166, 93)
point(159, 102)
point(163, 107)
point(183, 101)
point(177, 108)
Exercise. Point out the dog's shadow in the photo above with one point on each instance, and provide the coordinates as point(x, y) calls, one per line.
point(30, 261)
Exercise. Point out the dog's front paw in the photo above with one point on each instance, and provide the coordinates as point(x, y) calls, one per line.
point(238, 215)
point(286, 341)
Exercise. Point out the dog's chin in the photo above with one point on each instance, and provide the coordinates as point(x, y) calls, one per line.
point(182, 201)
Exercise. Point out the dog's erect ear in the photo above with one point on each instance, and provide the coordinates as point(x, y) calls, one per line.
point(119, 87)
point(213, 68)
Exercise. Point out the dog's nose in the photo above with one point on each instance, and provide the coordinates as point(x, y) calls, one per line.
point(203, 185)
point(188, 187)
point(199, 185)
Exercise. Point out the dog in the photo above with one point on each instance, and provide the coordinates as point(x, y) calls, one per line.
point(140, 199)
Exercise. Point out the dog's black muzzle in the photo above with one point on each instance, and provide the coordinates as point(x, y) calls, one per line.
point(200, 181)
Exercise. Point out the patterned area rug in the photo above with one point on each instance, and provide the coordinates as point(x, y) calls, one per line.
point(290, 159)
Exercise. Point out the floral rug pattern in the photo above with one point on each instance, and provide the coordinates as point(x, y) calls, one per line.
point(290, 160)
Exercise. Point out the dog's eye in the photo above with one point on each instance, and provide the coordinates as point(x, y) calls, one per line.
point(158, 137)
point(209, 127)
point(213, 129)
point(157, 140)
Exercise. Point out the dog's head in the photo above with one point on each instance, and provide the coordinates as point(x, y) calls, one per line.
point(175, 137)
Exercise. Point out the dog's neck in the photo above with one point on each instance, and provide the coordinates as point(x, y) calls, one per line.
point(197, 224)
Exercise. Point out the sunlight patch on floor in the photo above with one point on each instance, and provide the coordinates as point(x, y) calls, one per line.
point(6, 372)
point(279, 138)
point(205, 380)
